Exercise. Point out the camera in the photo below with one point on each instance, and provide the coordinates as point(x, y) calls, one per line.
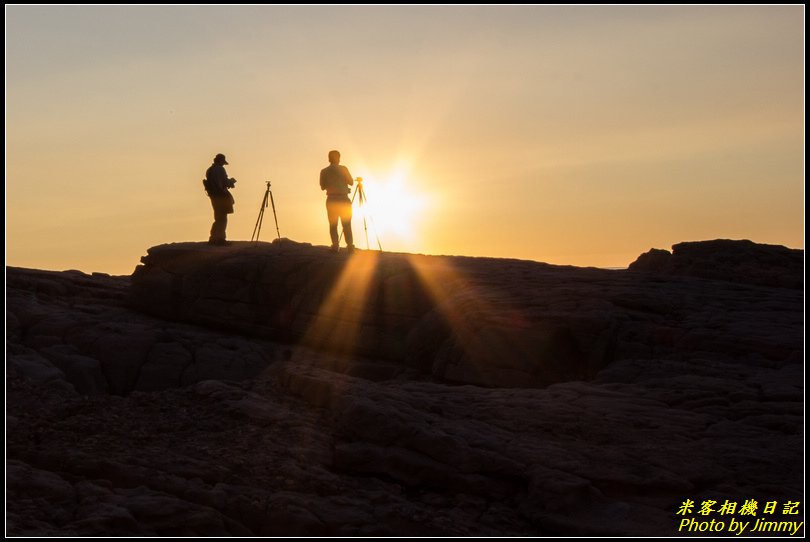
point(231, 183)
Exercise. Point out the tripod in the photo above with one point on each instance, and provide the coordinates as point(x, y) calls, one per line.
point(359, 190)
point(257, 229)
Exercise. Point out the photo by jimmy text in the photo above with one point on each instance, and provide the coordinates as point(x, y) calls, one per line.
point(774, 517)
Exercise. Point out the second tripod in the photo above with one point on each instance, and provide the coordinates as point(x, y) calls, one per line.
point(257, 229)
point(359, 190)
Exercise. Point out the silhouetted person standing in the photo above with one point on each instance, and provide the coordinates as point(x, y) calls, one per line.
point(336, 180)
point(217, 184)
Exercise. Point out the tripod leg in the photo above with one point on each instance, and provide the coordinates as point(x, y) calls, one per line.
point(257, 229)
point(373, 224)
point(366, 229)
point(363, 204)
point(258, 220)
point(261, 214)
point(376, 233)
point(275, 217)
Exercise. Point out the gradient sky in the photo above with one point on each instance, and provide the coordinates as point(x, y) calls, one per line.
point(571, 135)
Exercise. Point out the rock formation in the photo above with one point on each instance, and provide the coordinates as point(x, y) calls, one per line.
point(279, 389)
point(733, 261)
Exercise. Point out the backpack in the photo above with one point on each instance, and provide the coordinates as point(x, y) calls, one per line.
point(210, 189)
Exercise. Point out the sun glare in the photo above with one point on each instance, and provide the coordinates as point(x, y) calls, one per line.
point(392, 206)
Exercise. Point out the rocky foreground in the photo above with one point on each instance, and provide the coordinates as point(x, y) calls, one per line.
point(279, 389)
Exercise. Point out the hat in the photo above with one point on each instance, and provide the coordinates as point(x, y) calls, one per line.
point(220, 158)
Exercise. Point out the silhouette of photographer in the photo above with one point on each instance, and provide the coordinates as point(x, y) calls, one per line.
point(216, 185)
point(336, 180)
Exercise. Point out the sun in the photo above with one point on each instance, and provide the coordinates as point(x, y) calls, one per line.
point(393, 207)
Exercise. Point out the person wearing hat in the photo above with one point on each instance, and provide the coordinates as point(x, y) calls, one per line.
point(217, 184)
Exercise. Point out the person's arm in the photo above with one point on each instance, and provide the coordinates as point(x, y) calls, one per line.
point(221, 179)
point(323, 180)
point(229, 182)
point(349, 179)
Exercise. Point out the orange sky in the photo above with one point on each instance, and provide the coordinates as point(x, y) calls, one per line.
point(570, 135)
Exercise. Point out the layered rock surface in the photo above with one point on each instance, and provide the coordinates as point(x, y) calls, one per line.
point(480, 321)
point(281, 390)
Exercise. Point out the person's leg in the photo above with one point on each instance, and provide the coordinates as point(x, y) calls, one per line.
point(223, 221)
point(346, 220)
point(333, 213)
point(220, 222)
